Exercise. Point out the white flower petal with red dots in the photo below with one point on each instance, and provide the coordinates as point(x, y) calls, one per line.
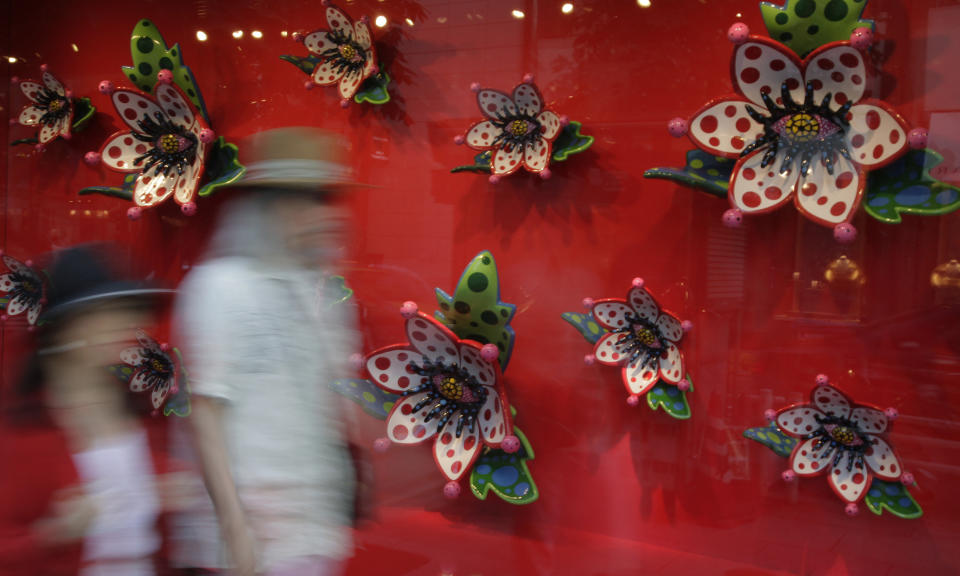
point(724, 128)
point(671, 364)
point(882, 460)
point(455, 456)
point(608, 352)
point(831, 401)
point(481, 135)
point(147, 342)
point(349, 83)
point(471, 361)
point(132, 356)
point(339, 21)
point(611, 314)
point(132, 107)
point(527, 99)
point(30, 116)
point(852, 484)
point(33, 313)
point(189, 181)
point(643, 304)
point(639, 378)
point(53, 84)
point(362, 34)
point(48, 132)
point(65, 125)
point(495, 104)
point(507, 160)
point(493, 426)
point(869, 420)
point(762, 67)
point(175, 105)
point(805, 461)
point(369, 65)
point(757, 189)
point(537, 155)
point(831, 199)
point(392, 369)
point(318, 43)
point(6, 282)
point(327, 73)
point(15, 265)
point(30, 90)
point(838, 70)
point(432, 340)
point(876, 134)
point(405, 427)
point(140, 380)
point(159, 394)
point(799, 420)
point(17, 304)
point(670, 327)
point(549, 125)
point(154, 189)
point(121, 150)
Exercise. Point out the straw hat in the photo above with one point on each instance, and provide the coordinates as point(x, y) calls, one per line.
point(297, 157)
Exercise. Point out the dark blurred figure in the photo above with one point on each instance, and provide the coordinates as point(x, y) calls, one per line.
point(78, 489)
point(261, 344)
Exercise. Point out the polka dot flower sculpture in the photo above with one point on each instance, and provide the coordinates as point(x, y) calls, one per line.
point(451, 395)
point(52, 109)
point(21, 290)
point(847, 443)
point(155, 368)
point(642, 339)
point(167, 147)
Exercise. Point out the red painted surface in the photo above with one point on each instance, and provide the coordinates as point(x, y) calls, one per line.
point(623, 490)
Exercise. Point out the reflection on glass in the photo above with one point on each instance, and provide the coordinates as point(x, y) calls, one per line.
point(238, 34)
point(201, 36)
point(257, 34)
point(380, 21)
point(518, 14)
point(643, 3)
point(567, 8)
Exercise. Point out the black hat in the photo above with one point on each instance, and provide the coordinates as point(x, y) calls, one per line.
point(81, 275)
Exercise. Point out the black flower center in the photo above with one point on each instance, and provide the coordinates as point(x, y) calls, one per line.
point(451, 391)
point(170, 145)
point(27, 286)
point(158, 366)
point(347, 55)
point(837, 437)
point(55, 107)
point(641, 339)
point(516, 130)
point(803, 132)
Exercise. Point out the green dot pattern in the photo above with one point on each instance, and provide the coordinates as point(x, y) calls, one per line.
point(521, 488)
point(805, 25)
point(906, 186)
point(373, 399)
point(771, 437)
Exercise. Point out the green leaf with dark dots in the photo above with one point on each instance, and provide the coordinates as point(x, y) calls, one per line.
point(336, 291)
point(475, 311)
point(83, 111)
point(771, 437)
point(150, 55)
point(505, 474)
point(892, 497)
point(586, 325)
point(125, 192)
point(481, 164)
point(223, 167)
point(670, 398)
point(569, 142)
point(374, 400)
point(121, 372)
point(906, 187)
point(805, 25)
point(306, 65)
point(703, 171)
point(374, 90)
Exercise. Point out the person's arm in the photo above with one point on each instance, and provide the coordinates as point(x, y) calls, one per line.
point(211, 449)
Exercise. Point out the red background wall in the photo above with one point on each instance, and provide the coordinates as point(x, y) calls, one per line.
point(623, 490)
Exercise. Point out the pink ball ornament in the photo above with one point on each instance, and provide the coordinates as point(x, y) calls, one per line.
point(822, 379)
point(91, 158)
point(494, 179)
point(3, 317)
point(891, 413)
point(788, 475)
point(490, 352)
point(40, 147)
point(545, 174)
point(15, 80)
point(375, 70)
point(528, 78)
point(510, 444)
point(365, 19)
point(564, 120)
point(683, 385)
point(164, 346)
point(475, 87)
point(852, 509)
point(298, 37)
point(770, 414)
point(733, 218)
point(44, 67)
point(381, 445)
point(28, 263)
point(308, 85)
point(409, 309)
point(189, 209)
point(14, 121)
point(451, 490)
point(155, 413)
point(68, 93)
point(917, 138)
point(134, 213)
point(587, 303)
point(66, 136)
point(174, 389)
point(678, 127)
point(356, 361)
point(633, 400)
point(325, 2)
point(31, 328)
point(844, 233)
point(165, 77)
point(686, 326)
point(459, 139)
point(589, 359)
point(345, 103)
point(738, 33)
point(861, 38)
point(907, 479)
point(207, 135)
point(638, 282)
point(107, 87)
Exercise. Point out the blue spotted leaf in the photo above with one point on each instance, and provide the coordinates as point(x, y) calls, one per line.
point(703, 171)
point(373, 399)
point(671, 399)
point(223, 167)
point(892, 497)
point(505, 474)
point(906, 187)
point(586, 325)
point(569, 142)
point(374, 90)
point(771, 437)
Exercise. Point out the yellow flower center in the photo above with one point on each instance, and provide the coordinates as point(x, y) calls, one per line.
point(646, 337)
point(843, 435)
point(56, 105)
point(518, 127)
point(170, 143)
point(803, 127)
point(451, 389)
point(348, 51)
